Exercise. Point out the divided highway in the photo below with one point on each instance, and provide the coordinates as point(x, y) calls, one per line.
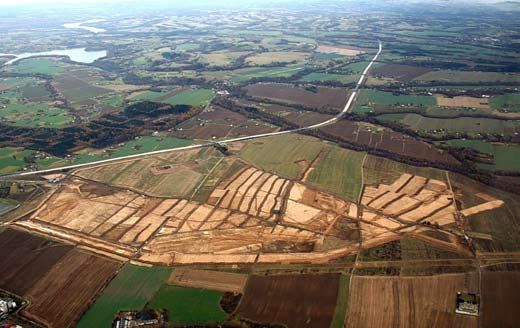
point(348, 107)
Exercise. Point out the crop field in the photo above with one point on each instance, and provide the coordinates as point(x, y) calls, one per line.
point(509, 102)
point(145, 95)
point(409, 301)
point(26, 258)
point(266, 58)
point(339, 173)
point(34, 115)
point(149, 143)
point(79, 85)
point(462, 125)
point(343, 78)
point(367, 96)
point(132, 288)
point(196, 97)
point(60, 297)
point(387, 140)
point(402, 73)
point(291, 300)
point(11, 159)
point(324, 97)
point(339, 50)
point(291, 150)
point(463, 101)
point(505, 157)
point(212, 280)
point(341, 303)
point(219, 123)
point(221, 58)
point(468, 77)
point(499, 299)
point(189, 306)
point(38, 65)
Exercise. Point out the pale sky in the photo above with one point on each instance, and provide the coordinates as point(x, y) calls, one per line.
point(24, 2)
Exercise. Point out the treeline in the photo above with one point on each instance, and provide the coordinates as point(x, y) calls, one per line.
point(107, 130)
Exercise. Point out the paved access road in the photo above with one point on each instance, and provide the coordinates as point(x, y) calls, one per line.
point(348, 107)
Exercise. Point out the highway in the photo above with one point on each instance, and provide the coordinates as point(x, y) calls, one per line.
point(348, 107)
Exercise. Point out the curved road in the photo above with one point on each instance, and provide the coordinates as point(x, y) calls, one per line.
point(346, 109)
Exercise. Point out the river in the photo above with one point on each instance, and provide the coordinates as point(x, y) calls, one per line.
point(83, 27)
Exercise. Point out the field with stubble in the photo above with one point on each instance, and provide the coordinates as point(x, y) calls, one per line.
point(409, 301)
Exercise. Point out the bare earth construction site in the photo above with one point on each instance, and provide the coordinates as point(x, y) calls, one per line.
point(250, 217)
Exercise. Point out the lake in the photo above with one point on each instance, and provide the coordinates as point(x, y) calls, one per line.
point(79, 55)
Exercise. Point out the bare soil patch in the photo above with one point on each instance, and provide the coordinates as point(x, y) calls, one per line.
point(345, 51)
point(463, 101)
point(214, 280)
point(65, 292)
point(500, 299)
point(26, 258)
point(294, 300)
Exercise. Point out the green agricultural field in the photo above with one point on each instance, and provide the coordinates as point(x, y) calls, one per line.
point(329, 77)
point(35, 115)
point(245, 74)
point(339, 173)
point(506, 157)
point(281, 154)
point(326, 56)
point(150, 143)
point(37, 65)
point(472, 126)
point(468, 77)
point(338, 321)
point(35, 92)
point(11, 159)
point(189, 306)
point(195, 97)
point(76, 88)
point(131, 289)
point(187, 46)
point(367, 96)
point(509, 102)
point(114, 101)
point(146, 95)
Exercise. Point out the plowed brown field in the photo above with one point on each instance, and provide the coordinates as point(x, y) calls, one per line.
point(25, 259)
point(65, 292)
point(297, 301)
